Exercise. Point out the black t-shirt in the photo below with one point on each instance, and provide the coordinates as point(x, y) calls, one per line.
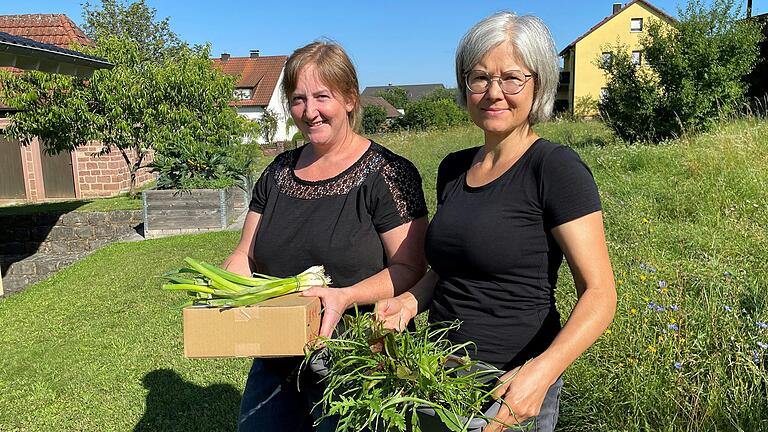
point(334, 222)
point(494, 252)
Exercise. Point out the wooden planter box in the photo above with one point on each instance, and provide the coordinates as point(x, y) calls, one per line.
point(171, 212)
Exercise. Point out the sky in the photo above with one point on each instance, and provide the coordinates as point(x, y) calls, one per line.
point(389, 41)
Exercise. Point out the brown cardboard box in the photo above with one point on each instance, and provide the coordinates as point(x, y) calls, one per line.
point(274, 328)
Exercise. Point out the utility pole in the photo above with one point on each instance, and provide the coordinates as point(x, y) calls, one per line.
point(749, 8)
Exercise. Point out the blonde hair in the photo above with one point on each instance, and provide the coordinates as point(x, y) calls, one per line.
point(333, 67)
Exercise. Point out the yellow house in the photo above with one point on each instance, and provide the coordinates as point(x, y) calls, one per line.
point(582, 81)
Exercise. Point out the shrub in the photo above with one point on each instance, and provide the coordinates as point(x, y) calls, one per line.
point(374, 118)
point(695, 74)
point(428, 114)
point(395, 96)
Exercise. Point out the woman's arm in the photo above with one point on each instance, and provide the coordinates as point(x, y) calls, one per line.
point(404, 247)
point(241, 259)
point(398, 311)
point(583, 243)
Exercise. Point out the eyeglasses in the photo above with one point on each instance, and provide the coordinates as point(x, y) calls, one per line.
point(511, 82)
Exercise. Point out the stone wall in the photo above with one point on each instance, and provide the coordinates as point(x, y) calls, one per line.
point(108, 174)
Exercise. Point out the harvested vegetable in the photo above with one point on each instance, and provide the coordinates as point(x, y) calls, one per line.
point(380, 379)
point(213, 286)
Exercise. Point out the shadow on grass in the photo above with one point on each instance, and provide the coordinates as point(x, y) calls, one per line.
point(176, 405)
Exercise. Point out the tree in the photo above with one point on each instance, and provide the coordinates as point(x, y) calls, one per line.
point(374, 117)
point(135, 21)
point(268, 126)
point(396, 96)
point(696, 67)
point(133, 108)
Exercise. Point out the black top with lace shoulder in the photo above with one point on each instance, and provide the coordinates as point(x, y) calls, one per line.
point(334, 222)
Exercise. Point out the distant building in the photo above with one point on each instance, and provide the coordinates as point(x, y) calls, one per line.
point(414, 91)
point(43, 42)
point(581, 77)
point(258, 88)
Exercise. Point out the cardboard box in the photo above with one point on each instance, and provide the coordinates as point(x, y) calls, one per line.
point(277, 327)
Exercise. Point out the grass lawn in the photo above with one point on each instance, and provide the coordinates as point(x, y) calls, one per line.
point(98, 346)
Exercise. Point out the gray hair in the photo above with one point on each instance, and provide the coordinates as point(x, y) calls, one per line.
point(532, 43)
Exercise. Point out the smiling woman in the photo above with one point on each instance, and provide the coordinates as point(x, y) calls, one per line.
point(341, 201)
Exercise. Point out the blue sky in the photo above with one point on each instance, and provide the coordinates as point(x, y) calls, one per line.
point(396, 41)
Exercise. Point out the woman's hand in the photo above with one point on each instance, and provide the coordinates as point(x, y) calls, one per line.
point(523, 389)
point(335, 301)
point(395, 313)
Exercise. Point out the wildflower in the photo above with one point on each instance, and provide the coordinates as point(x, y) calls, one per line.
point(642, 266)
point(633, 311)
point(652, 269)
point(607, 332)
point(755, 358)
point(762, 345)
point(659, 308)
point(727, 274)
point(672, 321)
point(661, 338)
point(662, 284)
point(678, 365)
point(673, 327)
point(651, 305)
point(652, 349)
point(762, 324)
point(727, 308)
point(645, 221)
point(620, 365)
point(675, 308)
point(643, 278)
point(620, 281)
point(664, 290)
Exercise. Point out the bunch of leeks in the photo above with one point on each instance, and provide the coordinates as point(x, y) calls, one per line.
point(210, 285)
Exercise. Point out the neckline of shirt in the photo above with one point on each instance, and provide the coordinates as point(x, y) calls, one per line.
point(511, 168)
point(297, 179)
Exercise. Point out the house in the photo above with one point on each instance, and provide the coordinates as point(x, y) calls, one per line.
point(391, 111)
point(27, 173)
point(581, 79)
point(413, 91)
point(259, 88)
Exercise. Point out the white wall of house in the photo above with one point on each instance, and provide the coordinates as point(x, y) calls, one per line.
point(278, 104)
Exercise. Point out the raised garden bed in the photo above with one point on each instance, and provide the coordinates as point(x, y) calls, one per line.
point(171, 212)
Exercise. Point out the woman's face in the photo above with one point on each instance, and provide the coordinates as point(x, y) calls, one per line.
point(320, 115)
point(495, 112)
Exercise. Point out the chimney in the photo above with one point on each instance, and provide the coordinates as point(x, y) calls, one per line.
point(616, 8)
point(254, 53)
point(224, 57)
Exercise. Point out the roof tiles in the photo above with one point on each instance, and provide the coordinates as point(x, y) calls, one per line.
point(54, 29)
point(260, 74)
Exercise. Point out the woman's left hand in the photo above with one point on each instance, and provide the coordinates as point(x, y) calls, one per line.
point(523, 389)
point(335, 302)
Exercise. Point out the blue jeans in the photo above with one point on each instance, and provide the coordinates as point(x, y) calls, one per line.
point(550, 409)
point(271, 400)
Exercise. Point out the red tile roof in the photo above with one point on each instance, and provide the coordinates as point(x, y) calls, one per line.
point(660, 12)
point(54, 29)
point(260, 74)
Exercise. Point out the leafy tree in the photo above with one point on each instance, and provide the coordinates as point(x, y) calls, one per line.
point(450, 94)
point(696, 65)
point(396, 96)
point(135, 21)
point(268, 126)
point(374, 117)
point(427, 114)
point(133, 108)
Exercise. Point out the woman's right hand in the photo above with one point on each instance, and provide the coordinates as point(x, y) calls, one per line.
point(396, 312)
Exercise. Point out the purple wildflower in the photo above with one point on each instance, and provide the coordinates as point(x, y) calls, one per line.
point(662, 284)
point(642, 266)
point(678, 365)
point(762, 324)
point(727, 274)
point(659, 308)
point(673, 327)
point(652, 269)
point(675, 308)
point(651, 305)
point(755, 358)
point(762, 345)
point(727, 308)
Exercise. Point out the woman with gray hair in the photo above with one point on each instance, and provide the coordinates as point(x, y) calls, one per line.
point(507, 213)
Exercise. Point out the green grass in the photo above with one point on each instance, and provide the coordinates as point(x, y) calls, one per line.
point(98, 346)
point(122, 202)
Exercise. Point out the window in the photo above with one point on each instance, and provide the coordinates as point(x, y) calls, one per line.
point(637, 58)
point(242, 93)
point(606, 59)
point(636, 25)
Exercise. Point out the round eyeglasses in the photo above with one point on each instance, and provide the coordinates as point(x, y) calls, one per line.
point(511, 82)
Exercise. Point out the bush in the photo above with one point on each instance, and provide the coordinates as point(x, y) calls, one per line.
point(203, 165)
point(428, 114)
point(374, 118)
point(695, 74)
point(396, 96)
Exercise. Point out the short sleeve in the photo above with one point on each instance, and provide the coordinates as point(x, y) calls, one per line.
point(260, 192)
point(568, 188)
point(398, 197)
